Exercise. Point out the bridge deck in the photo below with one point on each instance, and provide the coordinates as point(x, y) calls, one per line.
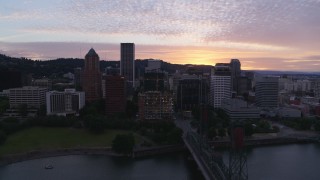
point(202, 166)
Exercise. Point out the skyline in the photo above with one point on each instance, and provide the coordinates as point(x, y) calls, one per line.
point(264, 35)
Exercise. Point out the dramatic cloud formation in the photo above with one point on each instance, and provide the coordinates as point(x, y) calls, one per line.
point(195, 31)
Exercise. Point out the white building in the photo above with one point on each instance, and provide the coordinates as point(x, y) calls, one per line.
point(220, 85)
point(302, 85)
point(64, 103)
point(239, 110)
point(33, 97)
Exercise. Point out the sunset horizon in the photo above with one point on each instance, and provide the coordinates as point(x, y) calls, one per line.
point(264, 35)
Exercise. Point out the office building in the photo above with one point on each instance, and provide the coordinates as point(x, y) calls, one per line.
point(220, 84)
point(77, 77)
point(235, 68)
point(267, 91)
point(33, 97)
point(155, 106)
point(192, 91)
point(239, 110)
point(115, 94)
point(91, 76)
point(154, 81)
point(64, 103)
point(127, 67)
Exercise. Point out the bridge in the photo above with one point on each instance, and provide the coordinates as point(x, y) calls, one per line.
point(210, 164)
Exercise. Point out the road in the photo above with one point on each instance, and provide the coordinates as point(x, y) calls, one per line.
point(290, 132)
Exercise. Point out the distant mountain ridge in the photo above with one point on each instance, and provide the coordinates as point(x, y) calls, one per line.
point(60, 66)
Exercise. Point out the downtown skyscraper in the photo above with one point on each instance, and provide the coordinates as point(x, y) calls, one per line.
point(267, 88)
point(91, 76)
point(235, 68)
point(127, 63)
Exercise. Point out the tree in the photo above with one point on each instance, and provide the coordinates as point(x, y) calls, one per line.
point(174, 136)
point(317, 125)
point(304, 123)
point(4, 104)
point(222, 132)
point(42, 111)
point(3, 137)
point(94, 123)
point(131, 109)
point(248, 129)
point(263, 126)
point(10, 125)
point(123, 143)
point(212, 132)
point(222, 117)
point(23, 109)
point(196, 113)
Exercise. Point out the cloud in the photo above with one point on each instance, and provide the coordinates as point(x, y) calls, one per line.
point(314, 57)
point(271, 22)
point(284, 64)
point(301, 61)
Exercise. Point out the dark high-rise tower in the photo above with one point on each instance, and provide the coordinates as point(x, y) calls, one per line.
point(91, 76)
point(267, 88)
point(127, 63)
point(235, 67)
point(115, 94)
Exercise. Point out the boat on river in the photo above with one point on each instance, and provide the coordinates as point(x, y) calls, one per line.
point(48, 166)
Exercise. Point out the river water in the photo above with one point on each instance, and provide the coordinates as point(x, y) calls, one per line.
point(294, 162)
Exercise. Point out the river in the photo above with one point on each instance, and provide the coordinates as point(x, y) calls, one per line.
point(294, 162)
point(92, 167)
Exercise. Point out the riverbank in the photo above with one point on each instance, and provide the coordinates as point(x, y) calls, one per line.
point(265, 142)
point(38, 154)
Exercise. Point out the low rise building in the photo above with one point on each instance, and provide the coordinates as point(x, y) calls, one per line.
point(286, 113)
point(33, 97)
point(239, 110)
point(64, 103)
point(44, 83)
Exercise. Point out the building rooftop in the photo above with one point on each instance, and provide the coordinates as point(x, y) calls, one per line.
point(92, 52)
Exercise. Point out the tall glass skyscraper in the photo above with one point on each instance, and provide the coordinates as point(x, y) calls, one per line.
point(127, 63)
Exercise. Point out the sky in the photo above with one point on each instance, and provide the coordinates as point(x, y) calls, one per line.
point(262, 34)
